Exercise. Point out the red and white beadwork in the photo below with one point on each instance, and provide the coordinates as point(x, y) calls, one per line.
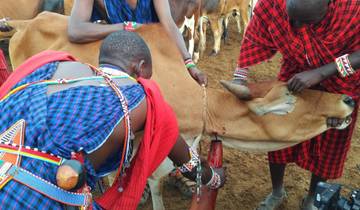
point(193, 162)
point(215, 181)
point(343, 66)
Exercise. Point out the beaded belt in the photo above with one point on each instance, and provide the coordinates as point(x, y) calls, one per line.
point(10, 171)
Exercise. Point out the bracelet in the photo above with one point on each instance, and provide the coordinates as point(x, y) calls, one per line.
point(189, 63)
point(241, 73)
point(343, 66)
point(130, 25)
point(215, 181)
point(192, 163)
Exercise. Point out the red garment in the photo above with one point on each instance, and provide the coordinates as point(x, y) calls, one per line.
point(31, 65)
point(305, 49)
point(4, 73)
point(160, 135)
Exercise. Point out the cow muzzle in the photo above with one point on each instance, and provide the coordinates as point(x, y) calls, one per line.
point(338, 123)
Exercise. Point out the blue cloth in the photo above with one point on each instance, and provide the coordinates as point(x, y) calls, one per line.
point(77, 119)
point(119, 11)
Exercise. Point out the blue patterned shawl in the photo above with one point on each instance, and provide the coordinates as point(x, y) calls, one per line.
point(119, 11)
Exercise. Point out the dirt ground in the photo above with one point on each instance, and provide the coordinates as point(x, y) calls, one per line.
point(248, 178)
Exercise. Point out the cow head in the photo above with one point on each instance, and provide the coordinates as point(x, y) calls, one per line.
point(279, 101)
point(277, 118)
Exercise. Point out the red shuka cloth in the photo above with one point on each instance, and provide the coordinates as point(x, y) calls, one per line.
point(4, 73)
point(160, 134)
point(305, 49)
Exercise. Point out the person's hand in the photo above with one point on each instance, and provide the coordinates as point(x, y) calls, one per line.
point(303, 80)
point(198, 76)
point(4, 26)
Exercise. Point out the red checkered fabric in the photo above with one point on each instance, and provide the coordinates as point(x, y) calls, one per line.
point(4, 73)
point(307, 48)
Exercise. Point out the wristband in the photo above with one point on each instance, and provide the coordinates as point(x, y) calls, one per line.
point(130, 25)
point(192, 163)
point(343, 66)
point(189, 63)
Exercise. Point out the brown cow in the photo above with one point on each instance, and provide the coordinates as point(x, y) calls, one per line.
point(25, 9)
point(218, 12)
point(275, 120)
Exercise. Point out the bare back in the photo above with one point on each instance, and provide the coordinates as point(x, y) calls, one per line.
point(112, 146)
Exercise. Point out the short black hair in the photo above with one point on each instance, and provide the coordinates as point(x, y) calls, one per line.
point(124, 46)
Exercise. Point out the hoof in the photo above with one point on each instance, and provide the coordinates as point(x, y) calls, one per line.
point(213, 53)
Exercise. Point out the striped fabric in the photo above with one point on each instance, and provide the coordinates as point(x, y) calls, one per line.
point(305, 49)
point(119, 11)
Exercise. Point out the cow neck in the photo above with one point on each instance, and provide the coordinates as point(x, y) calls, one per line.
point(218, 113)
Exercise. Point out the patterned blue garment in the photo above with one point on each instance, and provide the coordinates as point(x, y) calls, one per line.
point(76, 119)
point(119, 11)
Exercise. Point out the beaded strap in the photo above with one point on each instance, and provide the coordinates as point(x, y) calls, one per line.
point(130, 25)
point(343, 66)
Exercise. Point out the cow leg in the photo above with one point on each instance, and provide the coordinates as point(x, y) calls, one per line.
point(202, 37)
point(244, 17)
point(156, 195)
point(217, 29)
point(155, 186)
point(225, 34)
point(192, 34)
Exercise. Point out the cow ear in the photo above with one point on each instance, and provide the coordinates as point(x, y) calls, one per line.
point(282, 105)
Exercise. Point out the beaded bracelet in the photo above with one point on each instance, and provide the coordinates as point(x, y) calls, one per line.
point(130, 25)
point(189, 63)
point(215, 181)
point(192, 163)
point(241, 73)
point(343, 66)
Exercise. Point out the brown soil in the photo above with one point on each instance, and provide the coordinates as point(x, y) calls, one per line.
point(248, 178)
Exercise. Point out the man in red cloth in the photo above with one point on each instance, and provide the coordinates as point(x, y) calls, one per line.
point(320, 46)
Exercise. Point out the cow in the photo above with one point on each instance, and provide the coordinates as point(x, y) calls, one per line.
point(275, 119)
point(217, 13)
point(24, 9)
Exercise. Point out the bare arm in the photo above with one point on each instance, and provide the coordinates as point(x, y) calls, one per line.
point(81, 30)
point(309, 78)
point(164, 14)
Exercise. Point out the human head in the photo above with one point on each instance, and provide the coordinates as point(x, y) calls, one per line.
point(128, 51)
point(302, 12)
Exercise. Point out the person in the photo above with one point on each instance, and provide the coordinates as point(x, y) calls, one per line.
point(91, 116)
point(127, 15)
point(320, 46)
